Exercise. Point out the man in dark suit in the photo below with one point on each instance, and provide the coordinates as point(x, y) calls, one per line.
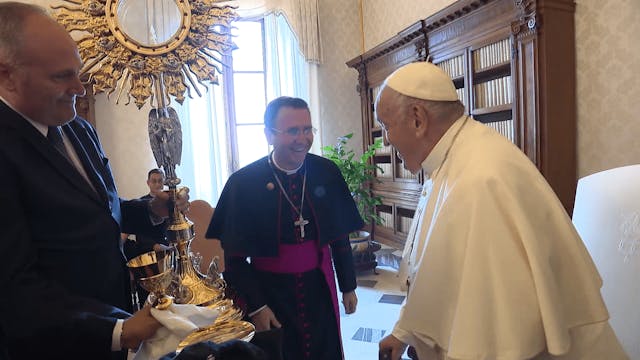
point(63, 276)
point(139, 244)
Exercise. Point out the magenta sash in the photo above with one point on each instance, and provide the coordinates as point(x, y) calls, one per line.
point(298, 258)
point(292, 258)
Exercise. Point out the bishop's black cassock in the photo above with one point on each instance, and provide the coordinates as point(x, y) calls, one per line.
point(290, 273)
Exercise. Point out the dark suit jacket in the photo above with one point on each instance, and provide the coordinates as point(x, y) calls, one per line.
point(62, 274)
point(145, 242)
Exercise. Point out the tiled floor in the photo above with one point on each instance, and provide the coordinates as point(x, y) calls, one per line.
point(379, 301)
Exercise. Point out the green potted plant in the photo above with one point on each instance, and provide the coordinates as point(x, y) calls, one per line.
point(359, 174)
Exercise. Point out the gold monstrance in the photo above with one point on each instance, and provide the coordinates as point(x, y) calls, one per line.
point(156, 50)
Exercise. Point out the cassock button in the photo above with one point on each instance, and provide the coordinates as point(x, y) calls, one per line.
point(270, 186)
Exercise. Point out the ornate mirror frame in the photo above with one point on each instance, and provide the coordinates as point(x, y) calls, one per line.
point(114, 62)
point(111, 13)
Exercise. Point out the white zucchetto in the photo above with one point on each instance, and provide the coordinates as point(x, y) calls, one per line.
point(422, 80)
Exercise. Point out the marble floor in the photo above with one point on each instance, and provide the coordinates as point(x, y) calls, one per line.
point(379, 302)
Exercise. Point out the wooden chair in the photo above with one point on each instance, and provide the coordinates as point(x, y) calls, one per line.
point(200, 213)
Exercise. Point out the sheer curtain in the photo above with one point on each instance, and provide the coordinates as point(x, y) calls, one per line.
point(287, 70)
point(205, 165)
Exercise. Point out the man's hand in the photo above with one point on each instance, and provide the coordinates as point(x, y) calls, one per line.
point(139, 327)
point(391, 343)
point(159, 202)
point(350, 302)
point(123, 238)
point(265, 319)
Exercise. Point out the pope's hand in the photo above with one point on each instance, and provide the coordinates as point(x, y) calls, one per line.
point(390, 348)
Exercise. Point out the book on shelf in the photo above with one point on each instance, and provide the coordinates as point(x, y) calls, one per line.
point(404, 173)
point(454, 67)
point(384, 170)
point(404, 224)
point(491, 55)
point(505, 128)
point(385, 149)
point(493, 92)
point(387, 219)
point(462, 96)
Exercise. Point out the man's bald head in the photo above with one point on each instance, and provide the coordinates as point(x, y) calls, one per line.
point(13, 16)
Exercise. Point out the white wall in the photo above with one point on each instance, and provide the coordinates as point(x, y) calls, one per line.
point(123, 132)
point(608, 84)
point(339, 101)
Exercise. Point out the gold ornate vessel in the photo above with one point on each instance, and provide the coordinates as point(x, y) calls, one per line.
point(155, 67)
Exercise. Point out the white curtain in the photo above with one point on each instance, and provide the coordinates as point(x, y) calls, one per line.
point(302, 15)
point(287, 72)
point(205, 167)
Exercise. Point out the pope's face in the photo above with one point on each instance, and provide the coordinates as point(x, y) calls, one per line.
point(399, 130)
point(291, 137)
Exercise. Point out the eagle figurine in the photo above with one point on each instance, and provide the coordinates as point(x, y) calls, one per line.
point(165, 137)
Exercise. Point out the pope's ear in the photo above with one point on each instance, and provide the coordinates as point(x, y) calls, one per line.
point(420, 119)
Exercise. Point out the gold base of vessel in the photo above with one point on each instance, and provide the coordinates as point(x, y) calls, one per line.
point(189, 286)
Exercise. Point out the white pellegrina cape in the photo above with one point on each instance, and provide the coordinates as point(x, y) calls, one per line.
point(496, 268)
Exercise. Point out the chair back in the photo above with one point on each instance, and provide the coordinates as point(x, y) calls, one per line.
point(607, 217)
point(200, 213)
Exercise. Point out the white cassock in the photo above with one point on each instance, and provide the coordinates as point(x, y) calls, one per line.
point(496, 268)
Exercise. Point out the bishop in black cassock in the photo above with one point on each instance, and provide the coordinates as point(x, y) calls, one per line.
point(291, 263)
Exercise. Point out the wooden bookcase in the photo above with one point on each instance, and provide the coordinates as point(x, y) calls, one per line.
point(513, 63)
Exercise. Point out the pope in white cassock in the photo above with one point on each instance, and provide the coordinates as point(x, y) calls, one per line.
point(494, 266)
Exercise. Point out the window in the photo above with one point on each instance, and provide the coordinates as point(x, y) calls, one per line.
point(248, 96)
point(224, 129)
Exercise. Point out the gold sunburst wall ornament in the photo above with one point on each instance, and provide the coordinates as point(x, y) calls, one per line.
point(150, 50)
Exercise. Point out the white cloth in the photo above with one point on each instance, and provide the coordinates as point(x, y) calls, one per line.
point(497, 271)
point(178, 321)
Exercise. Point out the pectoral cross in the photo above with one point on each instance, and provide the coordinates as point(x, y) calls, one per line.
point(301, 222)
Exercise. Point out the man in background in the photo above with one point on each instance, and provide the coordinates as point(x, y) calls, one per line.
point(494, 267)
point(290, 213)
point(156, 240)
point(64, 283)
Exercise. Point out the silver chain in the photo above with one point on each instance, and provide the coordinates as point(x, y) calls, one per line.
point(304, 184)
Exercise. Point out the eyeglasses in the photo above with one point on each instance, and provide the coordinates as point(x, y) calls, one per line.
point(294, 131)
